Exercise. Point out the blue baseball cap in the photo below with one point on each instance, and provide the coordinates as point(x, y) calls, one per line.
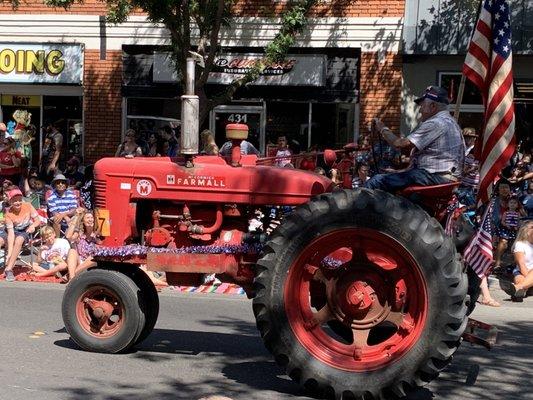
point(435, 93)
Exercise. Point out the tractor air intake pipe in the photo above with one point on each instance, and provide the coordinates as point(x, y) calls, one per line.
point(236, 133)
point(200, 229)
point(190, 110)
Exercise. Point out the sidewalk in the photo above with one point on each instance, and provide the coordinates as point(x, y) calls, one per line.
point(22, 275)
point(499, 286)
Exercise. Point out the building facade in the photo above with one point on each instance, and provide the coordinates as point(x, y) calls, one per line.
point(435, 40)
point(345, 69)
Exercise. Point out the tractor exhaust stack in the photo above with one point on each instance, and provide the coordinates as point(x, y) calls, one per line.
point(190, 110)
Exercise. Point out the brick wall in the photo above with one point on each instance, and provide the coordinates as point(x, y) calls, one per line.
point(259, 8)
point(328, 8)
point(381, 89)
point(38, 7)
point(102, 103)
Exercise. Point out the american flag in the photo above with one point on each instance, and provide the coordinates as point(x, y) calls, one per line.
point(488, 65)
point(478, 254)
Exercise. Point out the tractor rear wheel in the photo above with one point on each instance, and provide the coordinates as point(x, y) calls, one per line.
point(360, 294)
point(103, 311)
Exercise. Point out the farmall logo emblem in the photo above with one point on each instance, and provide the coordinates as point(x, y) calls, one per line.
point(202, 181)
point(144, 187)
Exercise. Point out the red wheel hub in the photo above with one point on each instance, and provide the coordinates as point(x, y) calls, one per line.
point(100, 312)
point(358, 296)
point(356, 299)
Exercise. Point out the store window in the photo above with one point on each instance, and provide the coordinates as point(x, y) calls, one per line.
point(471, 109)
point(31, 106)
point(290, 120)
point(333, 124)
point(66, 112)
point(304, 124)
point(148, 115)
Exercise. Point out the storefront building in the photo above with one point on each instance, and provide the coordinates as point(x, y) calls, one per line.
point(436, 38)
point(44, 79)
point(311, 98)
point(344, 70)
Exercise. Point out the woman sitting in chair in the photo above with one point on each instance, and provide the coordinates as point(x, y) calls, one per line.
point(21, 221)
point(82, 235)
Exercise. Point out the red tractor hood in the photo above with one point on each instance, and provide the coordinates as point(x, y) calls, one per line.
point(211, 179)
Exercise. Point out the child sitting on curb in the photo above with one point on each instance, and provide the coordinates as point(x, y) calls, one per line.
point(56, 255)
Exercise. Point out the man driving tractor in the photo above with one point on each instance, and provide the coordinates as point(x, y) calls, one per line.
point(437, 146)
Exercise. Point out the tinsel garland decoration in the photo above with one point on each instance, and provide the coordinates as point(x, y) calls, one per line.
point(133, 250)
point(331, 263)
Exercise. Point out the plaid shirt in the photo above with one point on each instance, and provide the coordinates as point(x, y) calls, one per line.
point(439, 145)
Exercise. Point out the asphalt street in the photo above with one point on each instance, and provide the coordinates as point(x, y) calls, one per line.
point(208, 344)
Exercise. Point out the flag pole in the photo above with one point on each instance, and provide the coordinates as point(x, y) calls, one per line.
point(461, 90)
point(459, 100)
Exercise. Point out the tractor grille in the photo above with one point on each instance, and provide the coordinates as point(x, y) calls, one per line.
point(100, 189)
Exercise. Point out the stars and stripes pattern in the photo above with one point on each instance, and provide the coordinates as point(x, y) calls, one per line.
point(479, 252)
point(451, 216)
point(488, 65)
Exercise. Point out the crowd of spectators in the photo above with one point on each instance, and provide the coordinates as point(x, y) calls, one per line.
point(34, 203)
point(511, 220)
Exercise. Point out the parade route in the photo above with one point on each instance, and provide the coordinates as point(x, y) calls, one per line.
point(208, 344)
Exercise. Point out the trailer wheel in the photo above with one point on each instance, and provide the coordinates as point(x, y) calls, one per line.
point(151, 302)
point(102, 311)
point(359, 294)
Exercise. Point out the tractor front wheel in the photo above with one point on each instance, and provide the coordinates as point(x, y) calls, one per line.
point(151, 301)
point(359, 294)
point(103, 311)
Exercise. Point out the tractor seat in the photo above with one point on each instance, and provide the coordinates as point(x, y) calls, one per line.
point(444, 190)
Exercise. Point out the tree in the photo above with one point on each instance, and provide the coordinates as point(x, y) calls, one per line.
point(207, 17)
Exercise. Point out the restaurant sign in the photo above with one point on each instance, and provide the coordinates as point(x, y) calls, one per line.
point(295, 70)
point(41, 63)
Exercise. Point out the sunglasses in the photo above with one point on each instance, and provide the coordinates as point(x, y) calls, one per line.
point(61, 183)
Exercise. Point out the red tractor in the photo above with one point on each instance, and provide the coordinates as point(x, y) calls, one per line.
point(357, 293)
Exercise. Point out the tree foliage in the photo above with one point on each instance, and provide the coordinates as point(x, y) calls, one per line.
point(205, 18)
